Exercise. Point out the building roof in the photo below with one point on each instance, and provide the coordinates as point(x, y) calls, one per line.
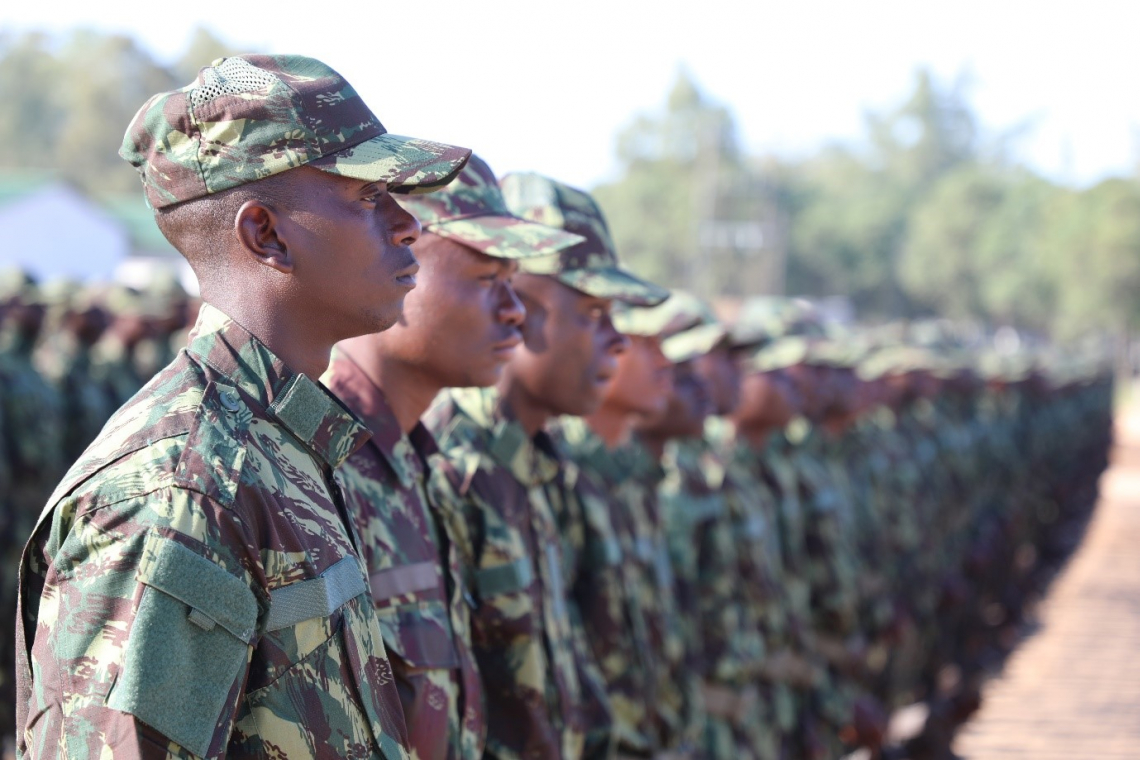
point(136, 217)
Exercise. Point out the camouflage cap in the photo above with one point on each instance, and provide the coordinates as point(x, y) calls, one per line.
point(248, 117)
point(61, 292)
point(781, 353)
point(765, 318)
point(702, 333)
point(17, 283)
point(592, 266)
point(471, 211)
point(126, 302)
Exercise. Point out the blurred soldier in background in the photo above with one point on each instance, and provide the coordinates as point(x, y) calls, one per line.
point(76, 320)
point(31, 459)
point(170, 312)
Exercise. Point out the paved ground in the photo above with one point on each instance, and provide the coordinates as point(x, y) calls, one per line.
point(1072, 690)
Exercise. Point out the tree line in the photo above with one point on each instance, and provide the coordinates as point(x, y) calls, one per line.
point(925, 214)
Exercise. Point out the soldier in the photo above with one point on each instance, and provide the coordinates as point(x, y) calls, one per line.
point(78, 319)
point(30, 463)
point(169, 314)
point(626, 594)
point(193, 586)
point(458, 329)
point(114, 365)
point(507, 481)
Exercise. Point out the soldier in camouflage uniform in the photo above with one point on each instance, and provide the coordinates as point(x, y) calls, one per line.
point(30, 462)
point(77, 319)
point(724, 630)
point(507, 482)
point(458, 329)
point(193, 588)
point(627, 603)
point(114, 365)
point(169, 314)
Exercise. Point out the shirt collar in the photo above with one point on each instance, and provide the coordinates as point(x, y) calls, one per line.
point(405, 454)
point(302, 406)
point(532, 461)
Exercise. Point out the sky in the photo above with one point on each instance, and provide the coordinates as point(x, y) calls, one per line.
point(547, 86)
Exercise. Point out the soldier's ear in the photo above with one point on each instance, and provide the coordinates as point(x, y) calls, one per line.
point(260, 232)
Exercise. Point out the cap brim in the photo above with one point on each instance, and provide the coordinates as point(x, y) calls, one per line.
point(615, 283)
point(692, 343)
point(406, 164)
point(505, 237)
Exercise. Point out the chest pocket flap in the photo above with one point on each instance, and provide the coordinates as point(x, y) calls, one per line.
point(419, 631)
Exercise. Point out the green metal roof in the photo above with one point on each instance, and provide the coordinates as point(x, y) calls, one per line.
point(133, 213)
point(19, 183)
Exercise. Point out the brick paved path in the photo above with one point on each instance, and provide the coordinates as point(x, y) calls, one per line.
point(1072, 690)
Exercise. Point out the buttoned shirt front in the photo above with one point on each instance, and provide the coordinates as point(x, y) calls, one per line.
point(507, 486)
point(415, 573)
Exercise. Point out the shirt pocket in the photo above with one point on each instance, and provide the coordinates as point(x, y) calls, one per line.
point(506, 609)
point(189, 645)
point(418, 630)
point(305, 701)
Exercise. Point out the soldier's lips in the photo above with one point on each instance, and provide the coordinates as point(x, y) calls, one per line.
point(505, 348)
point(406, 277)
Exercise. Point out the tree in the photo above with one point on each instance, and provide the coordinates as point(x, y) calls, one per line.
point(683, 173)
point(70, 100)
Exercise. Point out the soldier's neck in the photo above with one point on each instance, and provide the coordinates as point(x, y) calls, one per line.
point(517, 404)
point(408, 390)
point(301, 343)
point(613, 426)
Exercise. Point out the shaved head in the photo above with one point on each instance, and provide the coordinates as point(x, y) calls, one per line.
point(203, 229)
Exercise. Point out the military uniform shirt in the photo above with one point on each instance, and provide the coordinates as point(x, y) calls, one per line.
point(192, 588)
point(505, 485)
point(414, 573)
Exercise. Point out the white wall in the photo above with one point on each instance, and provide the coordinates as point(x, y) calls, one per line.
point(56, 232)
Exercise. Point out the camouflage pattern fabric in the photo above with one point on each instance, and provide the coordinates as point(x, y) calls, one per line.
point(248, 117)
point(591, 266)
point(612, 594)
point(724, 632)
point(644, 662)
point(765, 584)
point(471, 210)
point(192, 588)
point(114, 370)
point(86, 404)
point(415, 573)
point(505, 491)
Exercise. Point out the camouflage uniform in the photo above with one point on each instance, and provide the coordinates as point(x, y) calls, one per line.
point(621, 585)
point(710, 551)
point(192, 584)
point(193, 588)
point(505, 493)
point(629, 608)
point(415, 574)
point(415, 561)
point(31, 424)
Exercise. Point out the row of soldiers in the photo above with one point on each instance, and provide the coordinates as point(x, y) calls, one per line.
point(70, 355)
point(536, 506)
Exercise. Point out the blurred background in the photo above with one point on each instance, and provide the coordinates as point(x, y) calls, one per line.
point(890, 160)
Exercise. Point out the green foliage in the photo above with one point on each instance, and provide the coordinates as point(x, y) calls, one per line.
point(69, 102)
point(922, 217)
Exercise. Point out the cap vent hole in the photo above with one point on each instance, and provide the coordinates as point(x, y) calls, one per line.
point(233, 76)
